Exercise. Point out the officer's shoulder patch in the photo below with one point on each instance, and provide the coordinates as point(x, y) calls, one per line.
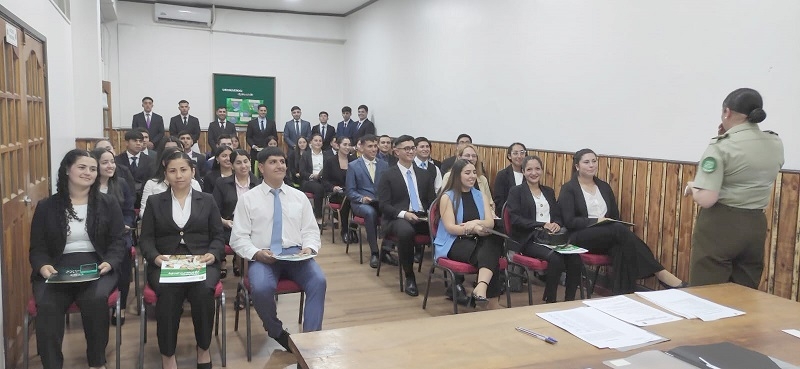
point(709, 164)
point(719, 138)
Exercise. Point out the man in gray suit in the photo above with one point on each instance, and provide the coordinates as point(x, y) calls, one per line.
point(295, 129)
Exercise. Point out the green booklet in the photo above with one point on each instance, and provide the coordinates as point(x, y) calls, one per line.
point(182, 269)
point(83, 273)
point(566, 249)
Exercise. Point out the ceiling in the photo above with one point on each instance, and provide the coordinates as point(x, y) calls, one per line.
point(321, 7)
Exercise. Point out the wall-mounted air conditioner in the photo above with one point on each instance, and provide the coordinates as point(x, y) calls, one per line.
point(185, 15)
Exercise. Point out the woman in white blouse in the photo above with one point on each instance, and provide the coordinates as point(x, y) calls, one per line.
point(587, 203)
point(311, 167)
point(159, 183)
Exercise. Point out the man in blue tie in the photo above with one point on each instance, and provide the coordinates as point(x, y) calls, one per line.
point(271, 222)
point(406, 193)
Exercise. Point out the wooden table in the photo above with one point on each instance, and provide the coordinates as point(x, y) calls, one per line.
point(488, 339)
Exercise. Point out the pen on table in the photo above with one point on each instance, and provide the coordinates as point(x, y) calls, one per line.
point(540, 336)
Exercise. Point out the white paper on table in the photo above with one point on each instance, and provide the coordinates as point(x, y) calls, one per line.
point(793, 332)
point(631, 311)
point(688, 305)
point(599, 329)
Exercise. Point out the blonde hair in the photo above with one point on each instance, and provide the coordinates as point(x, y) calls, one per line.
point(478, 165)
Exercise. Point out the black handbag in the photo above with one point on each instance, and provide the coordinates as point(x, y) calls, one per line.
point(545, 237)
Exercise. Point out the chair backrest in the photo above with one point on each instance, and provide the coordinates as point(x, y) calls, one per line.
point(506, 219)
point(433, 219)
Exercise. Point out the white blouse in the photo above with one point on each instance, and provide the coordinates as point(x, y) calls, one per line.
point(316, 162)
point(542, 208)
point(595, 204)
point(78, 238)
point(181, 214)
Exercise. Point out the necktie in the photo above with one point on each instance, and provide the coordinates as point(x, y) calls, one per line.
point(222, 125)
point(412, 191)
point(262, 126)
point(359, 125)
point(371, 169)
point(323, 132)
point(276, 242)
point(134, 166)
point(345, 125)
point(147, 120)
point(424, 165)
point(297, 127)
point(184, 121)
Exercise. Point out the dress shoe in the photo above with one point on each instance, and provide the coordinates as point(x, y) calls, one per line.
point(114, 319)
point(461, 294)
point(418, 254)
point(374, 261)
point(204, 365)
point(283, 340)
point(345, 237)
point(411, 287)
point(389, 259)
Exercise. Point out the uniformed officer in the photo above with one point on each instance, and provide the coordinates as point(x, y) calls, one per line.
point(732, 186)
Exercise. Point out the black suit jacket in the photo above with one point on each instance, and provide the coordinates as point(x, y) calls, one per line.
point(48, 239)
point(333, 174)
point(146, 169)
point(447, 164)
point(192, 125)
point(330, 133)
point(226, 196)
point(523, 211)
point(200, 168)
point(573, 204)
point(299, 164)
point(366, 128)
point(503, 182)
point(202, 233)
point(215, 131)
point(394, 195)
point(255, 136)
point(156, 129)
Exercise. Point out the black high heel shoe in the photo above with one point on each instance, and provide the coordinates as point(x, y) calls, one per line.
point(683, 284)
point(475, 300)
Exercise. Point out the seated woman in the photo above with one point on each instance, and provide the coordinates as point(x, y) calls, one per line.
point(462, 235)
point(271, 142)
point(159, 183)
point(226, 194)
point(586, 201)
point(470, 153)
point(221, 168)
point(532, 205)
point(334, 173)
point(311, 164)
point(295, 168)
point(182, 221)
point(76, 226)
point(117, 188)
point(235, 142)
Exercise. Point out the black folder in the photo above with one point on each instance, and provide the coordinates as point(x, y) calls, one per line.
point(724, 355)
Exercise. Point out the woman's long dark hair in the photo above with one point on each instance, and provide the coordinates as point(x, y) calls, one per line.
point(159, 177)
point(217, 153)
point(65, 210)
point(454, 183)
point(163, 143)
point(114, 188)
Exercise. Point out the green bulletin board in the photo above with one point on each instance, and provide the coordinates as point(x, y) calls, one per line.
point(242, 95)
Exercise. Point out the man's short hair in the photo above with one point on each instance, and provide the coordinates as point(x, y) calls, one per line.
point(133, 134)
point(222, 137)
point(347, 109)
point(183, 102)
point(295, 108)
point(143, 131)
point(401, 139)
point(464, 135)
point(184, 133)
point(222, 107)
point(147, 98)
point(421, 139)
point(262, 106)
point(268, 151)
point(323, 112)
point(367, 138)
point(382, 136)
point(363, 107)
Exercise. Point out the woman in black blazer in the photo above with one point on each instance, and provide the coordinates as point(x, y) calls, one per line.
point(311, 167)
point(226, 195)
point(532, 205)
point(195, 230)
point(77, 225)
point(221, 168)
point(334, 174)
point(296, 166)
point(507, 177)
point(586, 201)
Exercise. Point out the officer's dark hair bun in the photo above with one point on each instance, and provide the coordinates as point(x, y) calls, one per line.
point(757, 115)
point(746, 101)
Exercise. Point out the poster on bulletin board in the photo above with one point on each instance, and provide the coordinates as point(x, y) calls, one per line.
point(241, 95)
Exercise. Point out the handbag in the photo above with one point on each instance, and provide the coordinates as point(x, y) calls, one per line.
point(547, 238)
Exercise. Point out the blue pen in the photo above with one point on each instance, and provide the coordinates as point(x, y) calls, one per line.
point(540, 336)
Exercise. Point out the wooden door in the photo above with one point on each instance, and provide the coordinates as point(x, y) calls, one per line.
point(25, 163)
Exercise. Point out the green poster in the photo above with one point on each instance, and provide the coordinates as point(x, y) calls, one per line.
point(241, 95)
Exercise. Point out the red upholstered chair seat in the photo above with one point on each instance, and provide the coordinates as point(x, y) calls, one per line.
point(595, 259)
point(527, 261)
point(456, 266)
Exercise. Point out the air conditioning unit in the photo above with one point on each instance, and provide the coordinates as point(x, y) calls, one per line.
point(185, 15)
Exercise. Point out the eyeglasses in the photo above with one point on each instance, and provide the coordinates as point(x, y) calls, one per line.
point(470, 156)
point(518, 153)
point(407, 148)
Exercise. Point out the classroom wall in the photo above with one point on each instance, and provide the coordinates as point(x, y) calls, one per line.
point(304, 53)
point(625, 77)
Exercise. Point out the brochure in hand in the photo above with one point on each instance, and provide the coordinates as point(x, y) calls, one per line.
point(294, 257)
point(566, 249)
point(183, 269)
point(83, 273)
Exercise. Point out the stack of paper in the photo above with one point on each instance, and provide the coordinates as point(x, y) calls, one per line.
point(601, 330)
point(688, 305)
point(631, 311)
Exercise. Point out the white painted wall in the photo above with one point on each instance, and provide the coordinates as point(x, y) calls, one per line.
point(625, 77)
point(304, 53)
point(87, 68)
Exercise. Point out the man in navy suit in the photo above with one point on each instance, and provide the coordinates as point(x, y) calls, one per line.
point(185, 122)
point(325, 130)
point(153, 122)
point(346, 128)
point(220, 127)
point(296, 128)
point(363, 126)
point(361, 187)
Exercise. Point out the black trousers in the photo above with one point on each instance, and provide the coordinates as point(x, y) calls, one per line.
point(124, 282)
point(557, 264)
point(481, 252)
point(319, 194)
point(404, 231)
point(52, 301)
point(632, 259)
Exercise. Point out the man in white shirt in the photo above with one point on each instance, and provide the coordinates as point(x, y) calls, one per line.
point(272, 205)
point(424, 161)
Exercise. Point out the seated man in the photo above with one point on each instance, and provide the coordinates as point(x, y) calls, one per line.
point(363, 175)
point(199, 159)
point(275, 219)
point(406, 193)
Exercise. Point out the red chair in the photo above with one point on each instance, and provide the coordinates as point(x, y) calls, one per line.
point(149, 297)
point(598, 261)
point(332, 208)
point(359, 222)
point(526, 263)
point(419, 240)
point(285, 286)
point(31, 312)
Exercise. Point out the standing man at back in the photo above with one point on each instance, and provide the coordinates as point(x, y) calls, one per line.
point(220, 126)
point(462, 140)
point(258, 129)
point(296, 128)
point(364, 126)
point(185, 122)
point(149, 120)
point(325, 130)
point(346, 128)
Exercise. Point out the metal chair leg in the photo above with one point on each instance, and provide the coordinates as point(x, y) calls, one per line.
point(302, 304)
point(249, 347)
point(428, 287)
point(224, 332)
